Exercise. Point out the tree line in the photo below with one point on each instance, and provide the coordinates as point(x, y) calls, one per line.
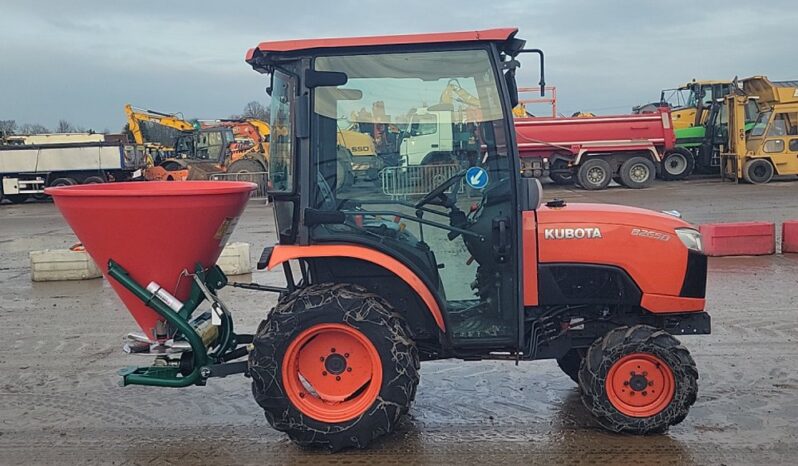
point(252, 109)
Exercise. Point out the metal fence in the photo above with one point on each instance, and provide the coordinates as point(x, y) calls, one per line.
point(259, 178)
point(417, 180)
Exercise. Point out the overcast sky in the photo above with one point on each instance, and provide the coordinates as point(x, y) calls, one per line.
point(83, 60)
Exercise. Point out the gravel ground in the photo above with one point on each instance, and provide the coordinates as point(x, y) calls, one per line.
point(60, 402)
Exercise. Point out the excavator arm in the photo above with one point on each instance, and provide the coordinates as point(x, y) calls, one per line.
point(135, 116)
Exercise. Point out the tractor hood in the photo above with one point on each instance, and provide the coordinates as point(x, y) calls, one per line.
point(610, 214)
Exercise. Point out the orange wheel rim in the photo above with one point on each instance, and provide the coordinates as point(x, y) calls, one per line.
point(640, 385)
point(332, 373)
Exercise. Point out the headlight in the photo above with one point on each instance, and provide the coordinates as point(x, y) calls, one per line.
point(690, 238)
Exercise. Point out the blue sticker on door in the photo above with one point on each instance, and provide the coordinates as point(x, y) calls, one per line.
point(476, 177)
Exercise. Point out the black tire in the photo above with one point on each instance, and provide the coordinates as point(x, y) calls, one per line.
point(594, 174)
point(571, 362)
point(677, 164)
point(637, 173)
point(93, 180)
point(364, 312)
point(562, 179)
point(246, 166)
point(758, 171)
point(63, 182)
point(16, 198)
point(639, 339)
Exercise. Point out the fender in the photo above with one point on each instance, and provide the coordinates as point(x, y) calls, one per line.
point(282, 253)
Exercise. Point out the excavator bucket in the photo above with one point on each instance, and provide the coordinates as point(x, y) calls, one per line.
point(157, 231)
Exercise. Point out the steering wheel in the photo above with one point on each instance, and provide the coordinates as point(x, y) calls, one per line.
point(438, 191)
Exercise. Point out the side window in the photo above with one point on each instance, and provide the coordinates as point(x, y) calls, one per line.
point(424, 124)
point(793, 145)
point(779, 125)
point(281, 143)
point(774, 145)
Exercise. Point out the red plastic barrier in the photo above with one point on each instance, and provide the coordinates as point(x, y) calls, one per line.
point(155, 230)
point(739, 239)
point(789, 236)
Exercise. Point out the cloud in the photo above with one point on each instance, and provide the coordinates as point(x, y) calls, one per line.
point(83, 60)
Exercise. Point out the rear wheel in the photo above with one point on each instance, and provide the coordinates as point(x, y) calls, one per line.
point(17, 198)
point(637, 172)
point(334, 367)
point(594, 174)
point(638, 380)
point(677, 164)
point(63, 182)
point(93, 180)
point(758, 171)
point(571, 362)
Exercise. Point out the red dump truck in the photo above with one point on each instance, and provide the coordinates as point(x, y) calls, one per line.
point(592, 151)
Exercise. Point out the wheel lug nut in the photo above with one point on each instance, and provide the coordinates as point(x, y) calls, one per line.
point(301, 395)
point(645, 393)
point(332, 350)
point(651, 383)
point(626, 383)
point(321, 359)
point(645, 373)
point(337, 378)
point(346, 355)
point(349, 369)
point(324, 373)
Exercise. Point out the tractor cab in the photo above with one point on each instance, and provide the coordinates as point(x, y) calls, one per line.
point(453, 222)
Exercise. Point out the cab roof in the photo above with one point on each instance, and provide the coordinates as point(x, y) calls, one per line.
point(284, 46)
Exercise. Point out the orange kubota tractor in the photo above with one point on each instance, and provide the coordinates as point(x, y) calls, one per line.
point(378, 283)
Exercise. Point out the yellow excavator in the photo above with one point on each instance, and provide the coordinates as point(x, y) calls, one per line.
point(195, 152)
point(770, 147)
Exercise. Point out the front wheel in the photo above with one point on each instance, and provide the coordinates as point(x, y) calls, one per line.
point(677, 164)
point(758, 171)
point(334, 367)
point(638, 380)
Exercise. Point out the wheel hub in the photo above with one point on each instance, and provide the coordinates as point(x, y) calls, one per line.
point(639, 173)
point(676, 164)
point(640, 385)
point(595, 175)
point(335, 364)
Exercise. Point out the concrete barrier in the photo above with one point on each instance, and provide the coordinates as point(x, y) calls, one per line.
point(789, 236)
point(739, 239)
point(62, 264)
point(235, 259)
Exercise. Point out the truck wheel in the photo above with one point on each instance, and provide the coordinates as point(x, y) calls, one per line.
point(16, 198)
point(93, 180)
point(594, 174)
point(677, 164)
point(638, 380)
point(333, 366)
point(758, 171)
point(637, 172)
point(562, 179)
point(63, 182)
point(571, 362)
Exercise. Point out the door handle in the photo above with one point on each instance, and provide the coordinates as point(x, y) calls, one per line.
point(502, 242)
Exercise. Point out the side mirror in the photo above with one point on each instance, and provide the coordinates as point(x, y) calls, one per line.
point(531, 194)
point(512, 87)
